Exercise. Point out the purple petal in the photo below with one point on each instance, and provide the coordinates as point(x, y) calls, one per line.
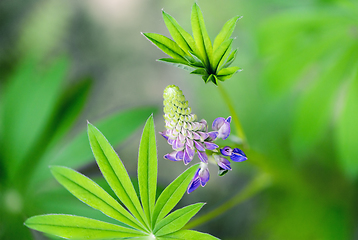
point(181, 137)
point(228, 119)
point(238, 155)
point(203, 157)
point(190, 151)
point(187, 159)
point(179, 156)
point(171, 156)
point(204, 124)
point(199, 146)
point(164, 134)
point(190, 143)
point(210, 145)
point(224, 163)
point(203, 136)
point(218, 123)
point(226, 151)
point(224, 131)
point(212, 135)
point(195, 183)
point(204, 176)
point(196, 136)
point(170, 141)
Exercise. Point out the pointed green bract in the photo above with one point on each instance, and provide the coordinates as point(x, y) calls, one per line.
point(147, 168)
point(166, 45)
point(225, 32)
point(221, 53)
point(75, 227)
point(93, 195)
point(172, 194)
point(188, 235)
point(176, 220)
point(115, 173)
point(201, 36)
point(228, 71)
point(179, 35)
point(177, 63)
point(200, 71)
point(231, 58)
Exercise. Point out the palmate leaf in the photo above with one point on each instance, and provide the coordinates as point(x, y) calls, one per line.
point(75, 227)
point(115, 173)
point(197, 52)
point(144, 220)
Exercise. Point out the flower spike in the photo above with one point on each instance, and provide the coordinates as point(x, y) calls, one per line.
point(186, 135)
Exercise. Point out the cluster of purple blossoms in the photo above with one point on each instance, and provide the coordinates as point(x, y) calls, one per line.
point(187, 136)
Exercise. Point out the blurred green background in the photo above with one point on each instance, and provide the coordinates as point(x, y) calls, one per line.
point(65, 62)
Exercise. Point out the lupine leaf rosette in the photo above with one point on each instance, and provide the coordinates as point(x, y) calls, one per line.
point(197, 54)
point(143, 217)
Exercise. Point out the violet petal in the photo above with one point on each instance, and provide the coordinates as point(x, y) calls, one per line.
point(238, 155)
point(203, 157)
point(218, 122)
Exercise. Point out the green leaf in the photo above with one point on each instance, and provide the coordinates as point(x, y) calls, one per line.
point(93, 195)
point(180, 36)
point(115, 173)
point(76, 152)
point(200, 71)
point(221, 53)
point(148, 168)
point(188, 235)
point(228, 71)
point(177, 63)
point(29, 100)
point(347, 131)
point(225, 32)
point(166, 45)
point(230, 59)
point(75, 227)
point(201, 36)
point(172, 194)
point(176, 220)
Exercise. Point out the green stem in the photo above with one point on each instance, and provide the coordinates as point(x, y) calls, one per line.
point(261, 182)
point(235, 118)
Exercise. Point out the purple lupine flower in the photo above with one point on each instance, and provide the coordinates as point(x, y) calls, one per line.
point(184, 133)
point(201, 177)
point(222, 126)
point(187, 136)
point(236, 154)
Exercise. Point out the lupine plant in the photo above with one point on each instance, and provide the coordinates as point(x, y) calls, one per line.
point(147, 218)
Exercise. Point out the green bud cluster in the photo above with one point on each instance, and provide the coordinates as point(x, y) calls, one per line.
point(176, 108)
